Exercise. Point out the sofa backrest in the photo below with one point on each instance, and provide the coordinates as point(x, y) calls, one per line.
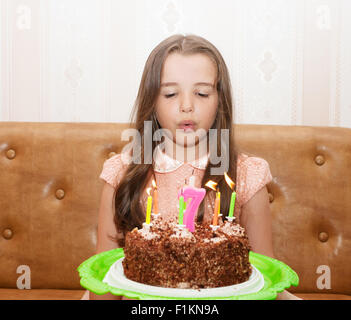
point(310, 200)
point(50, 193)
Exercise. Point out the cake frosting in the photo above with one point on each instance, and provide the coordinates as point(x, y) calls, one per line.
point(166, 254)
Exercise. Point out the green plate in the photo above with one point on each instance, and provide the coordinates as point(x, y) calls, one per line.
point(277, 277)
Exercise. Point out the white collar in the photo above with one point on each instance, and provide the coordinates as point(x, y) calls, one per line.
point(165, 163)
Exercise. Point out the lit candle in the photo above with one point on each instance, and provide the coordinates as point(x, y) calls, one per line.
point(215, 215)
point(231, 184)
point(211, 184)
point(196, 195)
point(149, 205)
point(232, 203)
point(155, 197)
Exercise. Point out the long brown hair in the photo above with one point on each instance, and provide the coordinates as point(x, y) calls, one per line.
point(128, 211)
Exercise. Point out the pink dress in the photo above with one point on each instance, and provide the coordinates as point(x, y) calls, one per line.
point(253, 173)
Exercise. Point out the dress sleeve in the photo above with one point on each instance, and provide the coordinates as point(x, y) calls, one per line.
point(113, 170)
point(254, 173)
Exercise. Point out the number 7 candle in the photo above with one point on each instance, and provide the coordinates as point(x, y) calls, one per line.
point(196, 195)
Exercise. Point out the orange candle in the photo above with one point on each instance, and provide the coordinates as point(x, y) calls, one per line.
point(155, 197)
point(216, 210)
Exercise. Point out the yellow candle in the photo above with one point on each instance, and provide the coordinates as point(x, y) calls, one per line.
point(149, 205)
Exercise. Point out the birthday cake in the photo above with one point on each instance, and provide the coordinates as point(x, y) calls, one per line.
point(166, 254)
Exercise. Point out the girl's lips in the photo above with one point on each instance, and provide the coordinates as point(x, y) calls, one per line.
point(187, 127)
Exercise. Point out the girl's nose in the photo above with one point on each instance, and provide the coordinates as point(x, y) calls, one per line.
point(186, 106)
point(186, 109)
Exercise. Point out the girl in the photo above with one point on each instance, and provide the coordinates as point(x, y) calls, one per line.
point(185, 87)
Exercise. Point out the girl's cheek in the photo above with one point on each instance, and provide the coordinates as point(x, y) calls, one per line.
point(167, 104)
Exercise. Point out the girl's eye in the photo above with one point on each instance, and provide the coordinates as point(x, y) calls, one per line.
point(200, 94)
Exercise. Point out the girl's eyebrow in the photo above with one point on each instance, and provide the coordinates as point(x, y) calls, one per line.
point(168, 84)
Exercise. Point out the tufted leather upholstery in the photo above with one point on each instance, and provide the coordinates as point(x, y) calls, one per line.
point(50, 195)
point(310, 199)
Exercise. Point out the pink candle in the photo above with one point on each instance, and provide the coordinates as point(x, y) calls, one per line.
point(196, 195)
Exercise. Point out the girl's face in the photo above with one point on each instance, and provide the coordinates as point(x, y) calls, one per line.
point(188, 97)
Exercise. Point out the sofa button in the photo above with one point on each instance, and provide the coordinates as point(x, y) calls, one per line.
point(271, 197)
point(11, 154)
point(60, 194)
point(323, 237)
point(7, 234)
point(319, 160)
point(111, 154)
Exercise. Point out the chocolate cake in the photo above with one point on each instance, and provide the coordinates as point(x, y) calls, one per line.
point(168, 255)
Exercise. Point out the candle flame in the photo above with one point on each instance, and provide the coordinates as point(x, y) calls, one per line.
point(211, 184)
point(154, 184)
point(148, 191)
point(229, 181)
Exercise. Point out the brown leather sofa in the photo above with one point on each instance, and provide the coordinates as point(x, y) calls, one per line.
point(50, 194)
